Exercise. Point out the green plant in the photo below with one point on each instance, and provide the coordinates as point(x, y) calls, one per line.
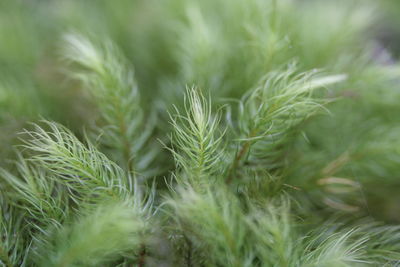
point(251, 133)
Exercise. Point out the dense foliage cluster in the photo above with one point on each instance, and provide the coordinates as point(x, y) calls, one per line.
point(199, 133)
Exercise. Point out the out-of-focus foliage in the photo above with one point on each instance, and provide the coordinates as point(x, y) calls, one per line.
point(199, 133)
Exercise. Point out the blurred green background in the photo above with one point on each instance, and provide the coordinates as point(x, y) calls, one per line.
point(225, 47)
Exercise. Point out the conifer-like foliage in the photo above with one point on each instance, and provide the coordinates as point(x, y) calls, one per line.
point(199, 133)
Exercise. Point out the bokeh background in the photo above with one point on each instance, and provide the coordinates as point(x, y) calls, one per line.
point(347, 159)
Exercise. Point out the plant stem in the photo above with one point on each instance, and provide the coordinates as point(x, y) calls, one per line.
point(239, 155)
point(142, 256)
point(236, 161)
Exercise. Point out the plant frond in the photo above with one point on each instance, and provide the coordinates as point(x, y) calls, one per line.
point(197, 139)
point(86, 172)
point(124, 129)
point(101, 236)
point(219, 212)
point(270, 114)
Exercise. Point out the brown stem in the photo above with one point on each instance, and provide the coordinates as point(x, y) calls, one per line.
point(236, 161)
point(239, 155)
point(142, 256)
point(126, 145)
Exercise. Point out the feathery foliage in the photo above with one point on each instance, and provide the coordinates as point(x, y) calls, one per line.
point(82, 169)
point(269, 114)
point(125, 129)
point(114, 228)
point(195, 135)
point(279, 122)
